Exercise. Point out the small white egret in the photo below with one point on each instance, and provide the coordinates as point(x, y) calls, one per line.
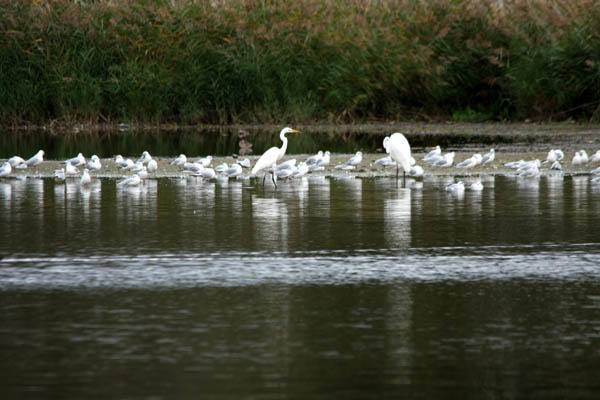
point(270, 157)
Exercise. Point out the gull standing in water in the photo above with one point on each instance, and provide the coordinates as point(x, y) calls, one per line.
point(133, 180)
point(234, 170)
point(270, 157)
point(5, 170)
point(85, 177)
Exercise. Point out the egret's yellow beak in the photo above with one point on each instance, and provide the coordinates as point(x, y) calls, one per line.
point(295, 131)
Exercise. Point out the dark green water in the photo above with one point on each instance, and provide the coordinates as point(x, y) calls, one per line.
point(324, 288)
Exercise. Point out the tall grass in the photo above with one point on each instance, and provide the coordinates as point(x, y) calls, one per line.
point(233, 61)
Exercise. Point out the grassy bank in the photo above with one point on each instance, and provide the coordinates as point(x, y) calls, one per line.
point(308, 60)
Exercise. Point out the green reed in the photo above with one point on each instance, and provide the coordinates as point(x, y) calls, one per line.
point(256, 61)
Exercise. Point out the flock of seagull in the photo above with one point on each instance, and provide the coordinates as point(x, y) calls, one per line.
point(396, 146)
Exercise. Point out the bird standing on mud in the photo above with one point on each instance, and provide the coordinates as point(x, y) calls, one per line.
point(270, 157)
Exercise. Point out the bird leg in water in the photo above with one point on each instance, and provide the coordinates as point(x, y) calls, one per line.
point(274, 178)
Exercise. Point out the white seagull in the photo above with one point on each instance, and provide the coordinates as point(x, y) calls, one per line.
point(152, 166)
point(85, 177)
point(133, 180)
point(145, 158)
point(488, 157)
point(433, 153)
point(36, 160)
point(76, 161)
point(94, 163)
point(5, 170)
point(15, 160)
point(205, 161)
point(314, 159)
point(244, 162)
point(182, 159)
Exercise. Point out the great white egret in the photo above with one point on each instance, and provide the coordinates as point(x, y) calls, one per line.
point(399, 150)
point(270, 157)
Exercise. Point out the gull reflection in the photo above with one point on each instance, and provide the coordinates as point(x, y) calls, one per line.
point(397, 219)
point(319, 196)
point(580, 186)
point(555, 185)
point(270, 222)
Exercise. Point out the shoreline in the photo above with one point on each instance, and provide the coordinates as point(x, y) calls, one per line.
point(366, 169)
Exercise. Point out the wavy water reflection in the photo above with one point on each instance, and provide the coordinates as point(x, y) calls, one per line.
point(323, 288)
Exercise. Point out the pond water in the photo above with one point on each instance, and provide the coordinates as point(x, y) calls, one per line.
point(323, 288)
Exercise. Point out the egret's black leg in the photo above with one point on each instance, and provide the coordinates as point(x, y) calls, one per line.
point(403, 178)
point(264, 177)
point(273, 177)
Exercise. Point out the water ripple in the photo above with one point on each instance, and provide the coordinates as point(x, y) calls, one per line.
point(565, 262)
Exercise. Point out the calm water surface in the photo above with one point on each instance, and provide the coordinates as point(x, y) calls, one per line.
point(324, 288)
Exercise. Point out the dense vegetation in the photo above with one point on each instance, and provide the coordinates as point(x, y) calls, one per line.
point(232, 61)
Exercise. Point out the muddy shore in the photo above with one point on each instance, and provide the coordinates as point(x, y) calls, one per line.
point(366, 169)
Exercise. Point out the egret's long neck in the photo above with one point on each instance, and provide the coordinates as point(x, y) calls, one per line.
point(283, 147)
